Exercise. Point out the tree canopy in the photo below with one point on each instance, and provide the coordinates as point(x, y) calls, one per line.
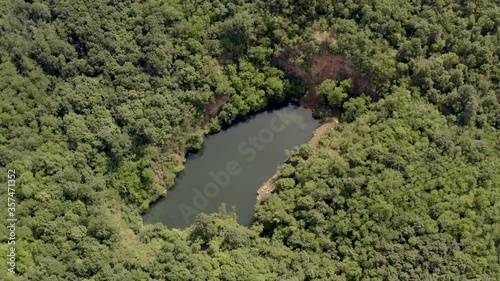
point(100, 100)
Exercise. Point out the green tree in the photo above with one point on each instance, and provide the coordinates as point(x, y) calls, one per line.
point(335, 92)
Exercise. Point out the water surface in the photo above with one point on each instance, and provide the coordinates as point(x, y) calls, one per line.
point(232, 165)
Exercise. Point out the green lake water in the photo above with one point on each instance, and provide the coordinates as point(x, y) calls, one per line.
point(232, 165)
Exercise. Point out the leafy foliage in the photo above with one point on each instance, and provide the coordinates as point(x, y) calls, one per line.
point(335, 92)
point(100, 100)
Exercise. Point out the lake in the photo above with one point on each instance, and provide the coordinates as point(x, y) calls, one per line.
point(232, 165)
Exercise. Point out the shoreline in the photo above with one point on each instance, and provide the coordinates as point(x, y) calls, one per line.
point(269, 186)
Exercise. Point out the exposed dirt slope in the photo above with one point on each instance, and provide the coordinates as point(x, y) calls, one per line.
point(321, 66)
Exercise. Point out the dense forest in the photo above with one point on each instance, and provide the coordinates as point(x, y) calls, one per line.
point(100, 100)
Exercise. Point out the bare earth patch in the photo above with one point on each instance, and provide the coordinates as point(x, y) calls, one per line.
point(322, 36)
point(327, 66)
point(267, 187)
point(214, 108)
point(321, 131)
point(321, 66)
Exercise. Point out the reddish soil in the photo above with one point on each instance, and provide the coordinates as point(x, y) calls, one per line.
point(326, 66)
point(321, 66)
point(214, 108)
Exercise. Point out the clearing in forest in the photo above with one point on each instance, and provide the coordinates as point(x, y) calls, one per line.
point(322, 36)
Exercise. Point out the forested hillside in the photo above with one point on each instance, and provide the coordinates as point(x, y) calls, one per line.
point(100, 100)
